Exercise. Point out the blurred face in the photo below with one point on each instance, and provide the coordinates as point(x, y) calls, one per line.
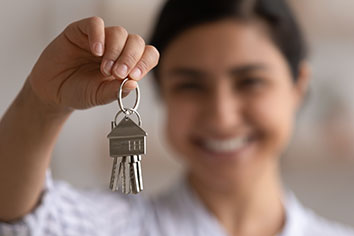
point(230, 100)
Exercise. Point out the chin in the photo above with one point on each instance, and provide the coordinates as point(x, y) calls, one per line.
point(222, 169)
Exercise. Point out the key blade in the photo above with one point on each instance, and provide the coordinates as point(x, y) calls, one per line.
point(114, 175)
point(133, 178)
point(116, 182)
point(135, 173)
point(125, 181)
point(140, 176)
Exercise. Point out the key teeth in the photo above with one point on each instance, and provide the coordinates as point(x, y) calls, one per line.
point(113, 183)
point(127, 176)
point(124, 178)
point(116, 183)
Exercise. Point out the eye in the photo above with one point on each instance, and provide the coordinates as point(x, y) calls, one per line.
point(188, 86)
point(251, 82)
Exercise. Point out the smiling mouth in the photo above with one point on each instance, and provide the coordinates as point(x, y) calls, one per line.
point(224, 147)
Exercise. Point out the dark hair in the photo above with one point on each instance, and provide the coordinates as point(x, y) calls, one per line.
point(177, 16)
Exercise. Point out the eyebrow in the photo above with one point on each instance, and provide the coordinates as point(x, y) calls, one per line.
point(240, 70)
point(187, 72)
point(234, 71)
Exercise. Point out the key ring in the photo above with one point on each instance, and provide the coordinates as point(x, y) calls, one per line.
point(128, 111)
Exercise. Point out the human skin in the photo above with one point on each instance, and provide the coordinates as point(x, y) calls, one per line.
point(231, 103)
point(82, 68)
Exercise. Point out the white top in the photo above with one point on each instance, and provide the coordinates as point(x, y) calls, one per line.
point(65, 211)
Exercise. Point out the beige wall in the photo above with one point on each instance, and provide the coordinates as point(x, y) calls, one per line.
point(315, 167)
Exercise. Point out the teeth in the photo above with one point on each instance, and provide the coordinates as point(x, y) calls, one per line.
point(228, 145)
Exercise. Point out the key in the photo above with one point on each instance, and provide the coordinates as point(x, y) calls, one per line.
point(116, 169)
point(136, 184)
point(127, 140)
point(125, 185)
point(140, 176)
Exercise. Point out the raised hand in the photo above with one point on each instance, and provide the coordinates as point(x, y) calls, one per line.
point(84, 66)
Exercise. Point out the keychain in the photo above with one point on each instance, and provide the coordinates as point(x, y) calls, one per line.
point(127, 141)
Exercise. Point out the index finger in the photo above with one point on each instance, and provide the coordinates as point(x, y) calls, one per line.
point(93, 29)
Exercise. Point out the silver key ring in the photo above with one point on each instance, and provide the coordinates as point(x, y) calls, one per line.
point(120, 102)
point(128, 112)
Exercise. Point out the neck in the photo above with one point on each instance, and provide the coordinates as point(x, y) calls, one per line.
point(253, 207)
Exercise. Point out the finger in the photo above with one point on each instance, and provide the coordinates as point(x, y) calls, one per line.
point(115, 40)
point(108, 91)
point(129, 86)
point(148, 60)
point(93, 29)
point(131, 54)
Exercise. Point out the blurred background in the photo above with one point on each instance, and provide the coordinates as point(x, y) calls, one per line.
point(319, 164)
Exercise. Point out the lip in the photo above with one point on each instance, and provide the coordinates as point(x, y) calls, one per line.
point(234, 155)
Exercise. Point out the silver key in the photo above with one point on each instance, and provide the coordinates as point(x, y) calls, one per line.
point(127, 140)
point(123, 176)
point(116, 169)
point(136, 184)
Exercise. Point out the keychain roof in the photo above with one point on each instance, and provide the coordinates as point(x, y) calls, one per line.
point(126, 128)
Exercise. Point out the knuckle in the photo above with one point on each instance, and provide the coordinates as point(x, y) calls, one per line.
point(68, 29)
point(143, 65)
point(153, 53)
point(95, 20)
point(117, 32)
point(71, 25)
point(113, 52)
point(121, 31)
point(130, 59)
point(137, 39)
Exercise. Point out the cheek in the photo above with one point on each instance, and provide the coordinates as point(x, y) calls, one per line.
point(181, 118)
point(274, 116)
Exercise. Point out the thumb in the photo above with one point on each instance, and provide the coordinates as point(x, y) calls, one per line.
point(108, 91)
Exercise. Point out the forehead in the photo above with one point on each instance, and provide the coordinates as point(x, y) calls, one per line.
point(222, 44)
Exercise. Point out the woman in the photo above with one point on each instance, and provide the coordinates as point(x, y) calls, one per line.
point(232, 75)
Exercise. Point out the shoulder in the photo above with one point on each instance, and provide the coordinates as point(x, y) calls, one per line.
point(302, 221)
point(71, 209)
point(318, 225)
point(66, 210)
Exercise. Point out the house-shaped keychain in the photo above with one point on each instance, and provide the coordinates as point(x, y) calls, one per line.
point(127, 139)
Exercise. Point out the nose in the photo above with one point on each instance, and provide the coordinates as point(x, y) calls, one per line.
point(224, 109)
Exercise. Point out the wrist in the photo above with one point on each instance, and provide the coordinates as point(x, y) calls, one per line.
point(29, 99)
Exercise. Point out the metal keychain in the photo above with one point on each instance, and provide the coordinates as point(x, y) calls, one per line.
point(127, 141)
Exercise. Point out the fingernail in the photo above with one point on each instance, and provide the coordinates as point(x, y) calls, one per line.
point(122, 71)
point(107, 67)
point(135, 74)
point(98, 47)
